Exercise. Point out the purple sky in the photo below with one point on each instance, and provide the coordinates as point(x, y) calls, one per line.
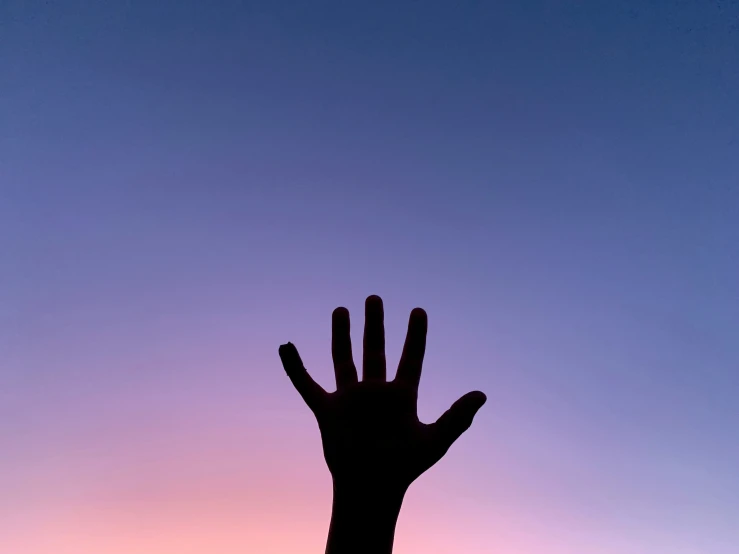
point(184, 187)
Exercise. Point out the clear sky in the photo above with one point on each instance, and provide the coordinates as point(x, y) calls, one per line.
point(185, 185)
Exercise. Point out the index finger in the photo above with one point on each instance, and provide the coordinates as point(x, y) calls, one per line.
point(414, 349)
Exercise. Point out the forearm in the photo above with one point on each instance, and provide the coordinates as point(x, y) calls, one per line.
point(363, 521)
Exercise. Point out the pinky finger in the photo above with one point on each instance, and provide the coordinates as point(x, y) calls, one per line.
point(311, 392)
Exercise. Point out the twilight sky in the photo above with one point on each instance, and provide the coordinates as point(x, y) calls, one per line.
point(186, 185)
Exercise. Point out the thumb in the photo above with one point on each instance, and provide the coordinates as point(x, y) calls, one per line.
point(457, 419)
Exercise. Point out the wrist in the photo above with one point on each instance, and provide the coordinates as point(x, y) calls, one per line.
point(362, 492)
point(363, 518)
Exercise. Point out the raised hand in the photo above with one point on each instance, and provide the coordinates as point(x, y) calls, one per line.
point(373, 441)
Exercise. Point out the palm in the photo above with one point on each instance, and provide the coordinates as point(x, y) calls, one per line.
point(370, 428)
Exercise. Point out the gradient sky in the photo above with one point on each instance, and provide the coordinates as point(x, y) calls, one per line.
point(185, 186)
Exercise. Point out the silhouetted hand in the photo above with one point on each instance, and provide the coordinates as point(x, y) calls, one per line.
point(373, 442)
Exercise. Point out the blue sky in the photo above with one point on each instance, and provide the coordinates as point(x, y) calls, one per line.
point(185, 184)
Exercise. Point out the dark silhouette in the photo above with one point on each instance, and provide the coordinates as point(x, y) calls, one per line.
point(373, 442)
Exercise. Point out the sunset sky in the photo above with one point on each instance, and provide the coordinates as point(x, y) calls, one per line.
point(186, 185)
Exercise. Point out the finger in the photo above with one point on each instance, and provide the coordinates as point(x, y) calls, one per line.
point(311, 391)
point(341, 349)
point(457, 419)
point(411, 361)
point(374, 368)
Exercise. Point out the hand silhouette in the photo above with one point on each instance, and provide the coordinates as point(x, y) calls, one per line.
point(373, 441)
